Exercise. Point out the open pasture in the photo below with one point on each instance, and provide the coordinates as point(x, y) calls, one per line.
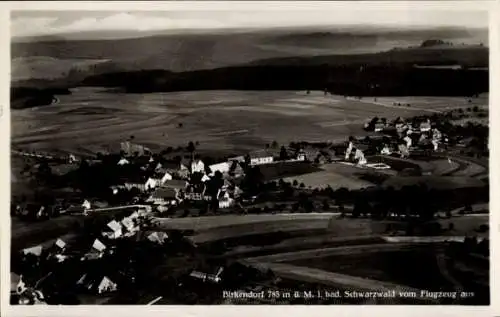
point(91, 120)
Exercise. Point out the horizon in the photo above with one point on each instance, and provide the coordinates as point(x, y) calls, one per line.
point(37, 24)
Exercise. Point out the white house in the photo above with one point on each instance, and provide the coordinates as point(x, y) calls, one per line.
point(425, 126)
point(158, 237)
point(359, 156)
point(106, 285)
point(261, 157)
point(436, 138)
point(379, 126)
point(36, 250)
point(301, 155)
point(116, 230)
point(123, 161)
point(348, 151)
point(386, 150)
point(225, 201)
point(98, 246)
point(17, 285)
point(60, 244)
point(197, 166)
point(86, 204)
point(403, 150)
point(408, 141)
point(220, 167)
point(129, 224)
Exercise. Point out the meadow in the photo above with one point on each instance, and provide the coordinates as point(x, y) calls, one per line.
point(92, 120)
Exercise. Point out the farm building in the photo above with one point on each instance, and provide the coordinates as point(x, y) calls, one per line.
point(261, 157)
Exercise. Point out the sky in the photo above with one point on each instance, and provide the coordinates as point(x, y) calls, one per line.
point(35, 23)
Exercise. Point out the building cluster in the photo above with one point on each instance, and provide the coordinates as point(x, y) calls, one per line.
point(406, 136)
point(66, 252)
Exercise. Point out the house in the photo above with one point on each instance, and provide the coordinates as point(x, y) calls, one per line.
point(98, 284)
point(129, 224)
point(359, 156)
point(60, 244)
point(225, 201)
point(408, 142)
point(386, 150)
point(300, 155)
point(223, 168)
point(36, 251)
point(425, 126)
point(132, 149)
point(106, 285)
point(261, 157)
point(379, 126)
point(195, 196)
point(197, 166)
point(96, 251)
point(172, 166)
point(158, 237)
point(235, 169)
point(403, 150)
point(123, 161)
point(115, 230)
point(348, 151)
point(17, 284)
point(136, 181)
point(436, 138)
point(86, 204)
point(164, 196)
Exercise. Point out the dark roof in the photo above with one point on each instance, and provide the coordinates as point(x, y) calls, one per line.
point(264, 153)
point(175, 183)
point(164, 193)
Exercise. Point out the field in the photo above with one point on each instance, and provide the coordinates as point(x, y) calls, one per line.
point(92, 120)
point(392, 265)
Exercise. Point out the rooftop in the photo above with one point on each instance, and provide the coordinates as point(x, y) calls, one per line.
point(175, 183)
point(165, 193)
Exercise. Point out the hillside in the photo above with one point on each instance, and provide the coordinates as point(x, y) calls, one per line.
point(345, 80)
point(467, 56)
point(56, 56)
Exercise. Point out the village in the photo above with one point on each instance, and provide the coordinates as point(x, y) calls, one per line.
point(123, 200)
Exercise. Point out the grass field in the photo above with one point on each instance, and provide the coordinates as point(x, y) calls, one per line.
point(392, 266)
point(91, 119)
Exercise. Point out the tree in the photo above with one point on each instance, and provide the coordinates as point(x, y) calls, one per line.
point(326, 206)
point(283, 153)
point(295, 183)
point(475, 109)
point(191, 147)
point(274, 145)
point(302, 185)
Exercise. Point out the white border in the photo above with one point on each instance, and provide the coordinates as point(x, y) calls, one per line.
point(278, 6)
